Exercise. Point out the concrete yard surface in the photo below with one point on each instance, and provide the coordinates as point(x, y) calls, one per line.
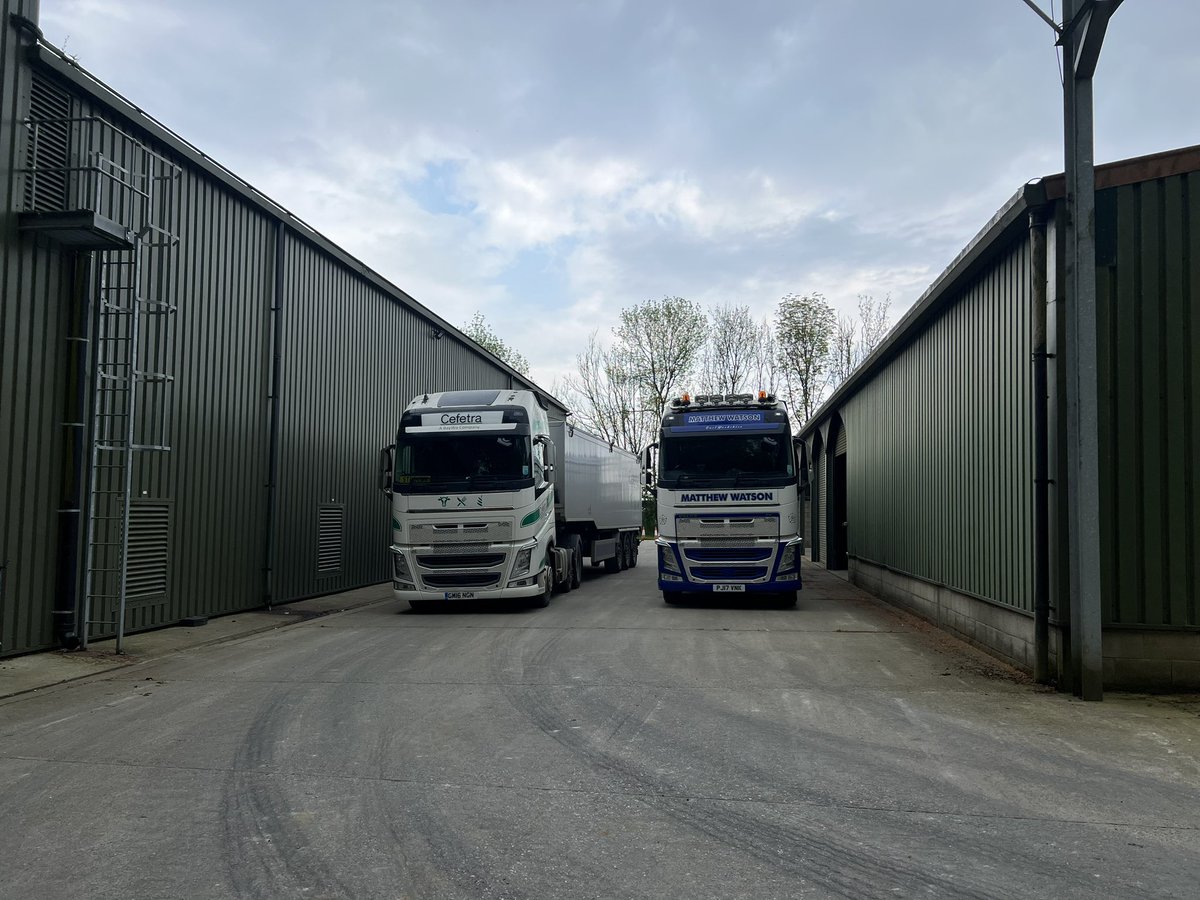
point(608, 746)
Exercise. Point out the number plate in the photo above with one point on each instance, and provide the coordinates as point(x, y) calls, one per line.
point(728, 588)
point(460, 595)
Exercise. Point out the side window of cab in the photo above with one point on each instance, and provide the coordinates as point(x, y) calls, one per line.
point(539, 465)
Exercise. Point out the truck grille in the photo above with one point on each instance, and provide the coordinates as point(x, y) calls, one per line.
point(482, 533)
point(731, 528)
point(461, 579)
point(461, 561)
point(727, 553)
point(728, 573)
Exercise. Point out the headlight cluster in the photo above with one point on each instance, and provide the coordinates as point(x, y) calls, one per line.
point(666, 558)
point(523, 560)
point(401, 574)
point(789, 561)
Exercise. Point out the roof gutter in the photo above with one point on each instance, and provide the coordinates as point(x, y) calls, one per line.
point(1009, 223)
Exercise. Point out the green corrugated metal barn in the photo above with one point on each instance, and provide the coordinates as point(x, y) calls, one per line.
point(926, 471)
point(277, 365)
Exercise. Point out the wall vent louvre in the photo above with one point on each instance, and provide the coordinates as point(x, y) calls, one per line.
point(149, 549)
point(331, 529)
point(49, 109)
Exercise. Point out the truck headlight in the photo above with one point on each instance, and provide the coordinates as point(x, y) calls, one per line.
point(666, 558)
point(523, 560)
point(789, 559)
point(400, 570)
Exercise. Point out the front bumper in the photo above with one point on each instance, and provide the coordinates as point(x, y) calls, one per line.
point(474, 594)
point(479, 572)
point(751, 567)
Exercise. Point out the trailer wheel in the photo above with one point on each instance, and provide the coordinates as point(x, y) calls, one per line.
point(634, 546)
point(575, 547)
point(613, 563)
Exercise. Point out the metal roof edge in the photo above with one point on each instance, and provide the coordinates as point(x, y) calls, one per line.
point(1034, 194)
point(54, 59)
point(987, 243)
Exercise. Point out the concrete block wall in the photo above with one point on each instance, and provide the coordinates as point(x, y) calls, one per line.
point(1002, 632)
point(1134, 659)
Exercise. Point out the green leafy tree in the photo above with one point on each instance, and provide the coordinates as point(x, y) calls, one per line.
point(481, 333)
point(662, 341)
point(805, 327)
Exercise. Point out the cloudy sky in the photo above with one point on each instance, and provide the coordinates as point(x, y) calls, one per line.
point(547, 163)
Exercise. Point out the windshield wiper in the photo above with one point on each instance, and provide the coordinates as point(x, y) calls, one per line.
point(491, 479)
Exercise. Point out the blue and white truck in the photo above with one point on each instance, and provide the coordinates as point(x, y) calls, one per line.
point(491, 500)
point(727, 488)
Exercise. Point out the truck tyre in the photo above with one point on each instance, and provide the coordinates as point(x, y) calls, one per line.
point(672, 597)
point(542, 600)
point(564, 585)
point(787, 599)
point(613, 563)
point(575, 547)
point(634, 546)
point(420, 606)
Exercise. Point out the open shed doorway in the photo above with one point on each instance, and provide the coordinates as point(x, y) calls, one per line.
point(816, 504)
point(837, 516)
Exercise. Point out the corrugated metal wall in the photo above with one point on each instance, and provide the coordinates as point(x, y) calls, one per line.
point(1148, 305)
point(939, 473)
point(353, 354)
point(34, 279)
point(353, 359)
point(821, 538)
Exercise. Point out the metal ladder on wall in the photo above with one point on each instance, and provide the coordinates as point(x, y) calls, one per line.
point(133, 342)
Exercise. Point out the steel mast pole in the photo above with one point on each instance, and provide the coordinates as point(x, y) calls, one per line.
point(1084, 26)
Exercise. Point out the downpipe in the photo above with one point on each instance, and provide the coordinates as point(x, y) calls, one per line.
point(274, 401)
point(1041, 483)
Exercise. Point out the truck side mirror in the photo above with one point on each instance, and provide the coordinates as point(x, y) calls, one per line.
point(648, 464)
point(386, 463)
point(548, 457)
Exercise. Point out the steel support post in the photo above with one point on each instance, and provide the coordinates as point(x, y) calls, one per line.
point(1085, 22)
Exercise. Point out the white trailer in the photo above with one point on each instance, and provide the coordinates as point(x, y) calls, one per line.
point(490, 500)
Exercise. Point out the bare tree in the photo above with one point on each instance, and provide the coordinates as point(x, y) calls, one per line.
point(804, 330)
point(661, 341)
point(728, 360)
point(874, 317)
point(766, 373)
point(606, 396)
point(844, 350)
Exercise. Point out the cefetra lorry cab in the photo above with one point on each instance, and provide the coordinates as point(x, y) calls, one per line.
point(728, 498)
point(493, 500)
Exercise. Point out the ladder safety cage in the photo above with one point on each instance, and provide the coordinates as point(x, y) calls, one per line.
point(95, 167)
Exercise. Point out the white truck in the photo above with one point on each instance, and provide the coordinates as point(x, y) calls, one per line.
point(492, 500)
point(727, 491)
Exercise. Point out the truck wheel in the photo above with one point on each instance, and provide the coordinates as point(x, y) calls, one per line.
point(542, 600)
point(575, 546)
point(564, 586)
point(672, 597)
point(787, 599)
point(420, 606)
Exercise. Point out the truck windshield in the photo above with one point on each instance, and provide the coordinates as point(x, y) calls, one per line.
point(728, 459)
point(435, 462)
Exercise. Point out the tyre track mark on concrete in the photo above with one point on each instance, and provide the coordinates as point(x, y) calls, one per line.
point(805, 850)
